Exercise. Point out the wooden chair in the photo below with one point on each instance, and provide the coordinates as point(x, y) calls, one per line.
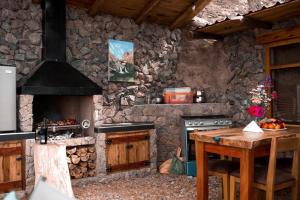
point(269, 178)
point(222, 169)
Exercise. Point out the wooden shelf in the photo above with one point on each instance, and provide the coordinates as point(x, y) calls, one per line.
point(283, 66)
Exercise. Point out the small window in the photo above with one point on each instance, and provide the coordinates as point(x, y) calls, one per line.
point(285, 72)
point(286, 54)
point(287, 85)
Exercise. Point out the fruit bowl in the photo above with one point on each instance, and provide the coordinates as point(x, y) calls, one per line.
point(272, 124)
point(267, 129)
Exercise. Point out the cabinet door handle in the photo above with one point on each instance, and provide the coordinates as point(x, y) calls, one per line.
point(147, 137)
point(129, 146)
point(19, 158)
point(108, 141)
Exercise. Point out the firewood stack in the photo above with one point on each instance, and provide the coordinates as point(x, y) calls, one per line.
point(82, 161)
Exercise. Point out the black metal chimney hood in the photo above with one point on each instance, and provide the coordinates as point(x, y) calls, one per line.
point(54, 76)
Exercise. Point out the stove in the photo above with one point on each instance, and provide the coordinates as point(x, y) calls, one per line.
point(199, 123)
point(210, 122)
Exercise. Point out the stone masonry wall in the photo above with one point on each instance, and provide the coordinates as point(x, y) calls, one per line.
point(167, 120)
point(25, 121)
point(20, 36)
point(226, 69)
point(155, 54)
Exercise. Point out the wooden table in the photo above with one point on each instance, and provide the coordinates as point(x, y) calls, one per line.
point(235, 143)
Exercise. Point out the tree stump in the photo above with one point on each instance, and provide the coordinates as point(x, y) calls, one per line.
point(50, 161)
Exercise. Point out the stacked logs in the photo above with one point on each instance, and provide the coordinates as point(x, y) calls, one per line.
point(81, 161)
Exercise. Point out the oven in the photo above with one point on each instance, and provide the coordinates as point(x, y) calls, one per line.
point(200, 123)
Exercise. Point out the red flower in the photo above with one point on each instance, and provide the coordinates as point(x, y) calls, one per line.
point(256, 111)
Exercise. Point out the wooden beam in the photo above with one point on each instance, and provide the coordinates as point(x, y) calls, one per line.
point(192, 35)
point(95, 7)
point(253, 23)
point(279, 35)
point(189, 13)
point(146, 10)
point(36, 1)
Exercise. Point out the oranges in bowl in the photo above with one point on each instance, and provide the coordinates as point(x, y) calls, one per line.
point(272, 124)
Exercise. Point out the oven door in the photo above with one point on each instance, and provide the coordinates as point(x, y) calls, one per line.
point(189, 149)
point(189, 152)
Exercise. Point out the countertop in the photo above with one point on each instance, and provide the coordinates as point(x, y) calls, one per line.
point(120, 127)
point(17, 136)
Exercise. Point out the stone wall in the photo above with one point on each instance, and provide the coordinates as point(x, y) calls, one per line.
point(20, 36)
point(155, 52)
point(155, 55)
point(168, 124)
point(226, 69)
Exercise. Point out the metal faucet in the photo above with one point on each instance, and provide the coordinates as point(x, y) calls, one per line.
point(120, 96)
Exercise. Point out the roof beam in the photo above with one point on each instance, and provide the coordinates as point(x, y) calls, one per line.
point(146, 10)
point(36, 1)
point(189, 13)
point(253, 23)
point(290, 33)
point(193, 35)
point(95, 7)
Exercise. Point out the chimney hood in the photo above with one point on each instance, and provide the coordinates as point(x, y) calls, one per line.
point(54, 76)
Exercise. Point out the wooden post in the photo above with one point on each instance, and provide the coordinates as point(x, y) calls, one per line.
point(246, 171)
point(202, 171)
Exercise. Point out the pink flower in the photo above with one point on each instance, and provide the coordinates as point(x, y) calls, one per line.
point(256, 111)
point(256, 101)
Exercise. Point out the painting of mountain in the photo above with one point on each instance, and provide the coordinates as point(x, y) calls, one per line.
point(120, 61)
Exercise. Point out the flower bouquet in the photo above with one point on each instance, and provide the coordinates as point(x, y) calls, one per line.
point(260, 99)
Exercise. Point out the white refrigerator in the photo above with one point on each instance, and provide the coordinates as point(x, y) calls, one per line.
point(7, 99)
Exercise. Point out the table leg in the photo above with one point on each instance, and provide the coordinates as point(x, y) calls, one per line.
point(246, 174)
point(202, 171)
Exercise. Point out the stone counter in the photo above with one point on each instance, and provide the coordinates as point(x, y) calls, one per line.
point(167, 120)
point(17, 136)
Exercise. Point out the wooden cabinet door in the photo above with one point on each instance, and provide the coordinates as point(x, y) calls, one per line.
point(138, 151)
point(127, 151)
point(10, 165)
point(116, 154)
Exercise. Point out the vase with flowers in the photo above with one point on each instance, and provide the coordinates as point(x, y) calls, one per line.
point(260, 99)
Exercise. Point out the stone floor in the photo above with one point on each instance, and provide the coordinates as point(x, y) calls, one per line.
point(153, 187)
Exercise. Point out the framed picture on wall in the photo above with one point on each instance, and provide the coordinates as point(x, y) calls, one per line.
point(120, 61)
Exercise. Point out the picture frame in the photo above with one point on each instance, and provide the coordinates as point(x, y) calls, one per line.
point(120, 61)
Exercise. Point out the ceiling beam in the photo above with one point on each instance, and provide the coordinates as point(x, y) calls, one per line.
point(95, 7)
point(253, 23)
point(146, 10)
point(189, 13)
point(36, 1)
point(194, 35)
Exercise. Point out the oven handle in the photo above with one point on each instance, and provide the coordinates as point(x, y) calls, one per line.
point(204, 128)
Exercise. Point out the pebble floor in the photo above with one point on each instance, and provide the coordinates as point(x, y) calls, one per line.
point(153, 187)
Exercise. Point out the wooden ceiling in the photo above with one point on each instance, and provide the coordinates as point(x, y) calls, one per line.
point(173, 13)
point(260, 19)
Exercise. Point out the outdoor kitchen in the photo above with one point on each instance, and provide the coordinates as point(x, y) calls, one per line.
point(150, 99)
